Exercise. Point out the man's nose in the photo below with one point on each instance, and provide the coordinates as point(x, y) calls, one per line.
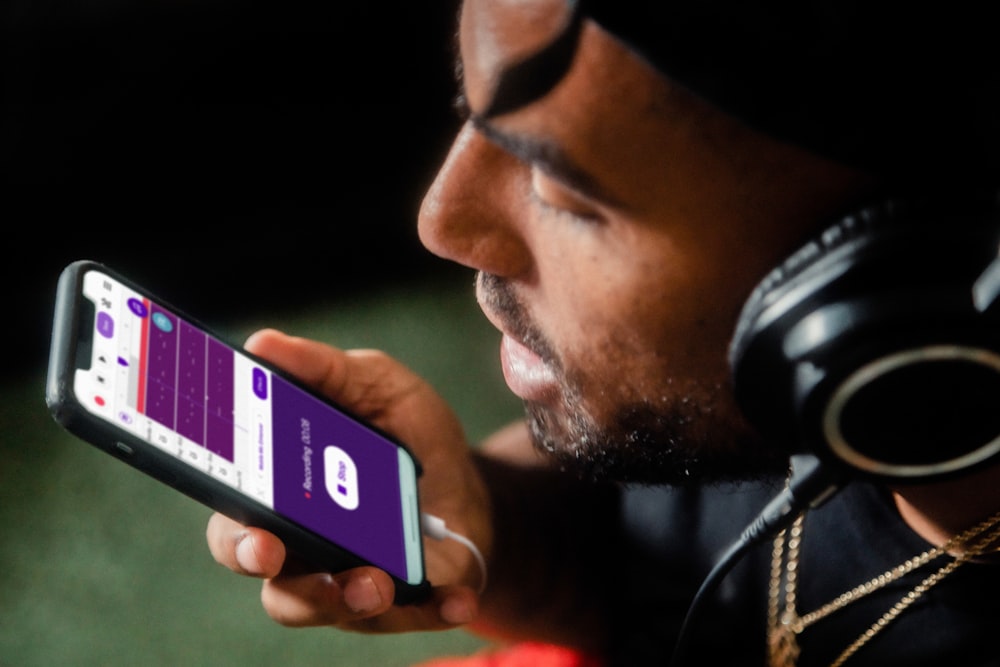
point(471, 212)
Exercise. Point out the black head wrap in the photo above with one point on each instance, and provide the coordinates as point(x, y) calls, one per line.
point(906, 90)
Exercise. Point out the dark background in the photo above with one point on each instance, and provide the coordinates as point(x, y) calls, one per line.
point(236, 157)
point(256, 165)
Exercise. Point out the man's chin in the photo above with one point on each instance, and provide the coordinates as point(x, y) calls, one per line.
point(647, 448)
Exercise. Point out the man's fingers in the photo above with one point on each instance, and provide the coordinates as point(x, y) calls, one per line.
point(370, 383)
point(361, 600)
point(244, 550)
point(319, 598)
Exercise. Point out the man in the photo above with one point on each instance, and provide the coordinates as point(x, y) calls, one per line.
point(627, 175)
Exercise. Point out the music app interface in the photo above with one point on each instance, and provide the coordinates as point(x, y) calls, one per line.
point(192, 396)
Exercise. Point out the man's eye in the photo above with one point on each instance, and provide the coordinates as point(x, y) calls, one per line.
point(550, 193)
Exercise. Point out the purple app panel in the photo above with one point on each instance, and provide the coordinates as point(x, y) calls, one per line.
point(219, 422)
point(190, 383)
point(303, 429)
point(161, 369)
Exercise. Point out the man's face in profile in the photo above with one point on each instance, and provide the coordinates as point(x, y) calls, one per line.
point(618, 223)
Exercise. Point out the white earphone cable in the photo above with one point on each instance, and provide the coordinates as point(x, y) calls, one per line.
point(434, 527)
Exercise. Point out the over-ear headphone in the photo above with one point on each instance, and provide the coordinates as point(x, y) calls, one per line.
point(876, 345)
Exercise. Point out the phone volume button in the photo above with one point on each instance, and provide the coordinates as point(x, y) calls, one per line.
point(122, 450)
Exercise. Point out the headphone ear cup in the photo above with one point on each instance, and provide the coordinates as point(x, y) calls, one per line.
point(867, 348)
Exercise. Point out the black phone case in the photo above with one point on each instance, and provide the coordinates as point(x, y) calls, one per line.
point(69, 413)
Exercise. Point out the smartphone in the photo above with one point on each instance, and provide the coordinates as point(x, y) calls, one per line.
point(141, 380)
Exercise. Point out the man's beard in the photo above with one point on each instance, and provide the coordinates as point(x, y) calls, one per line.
point(644, 445)
point(679, 441)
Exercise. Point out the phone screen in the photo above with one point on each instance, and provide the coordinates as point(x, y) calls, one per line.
point(218, 410)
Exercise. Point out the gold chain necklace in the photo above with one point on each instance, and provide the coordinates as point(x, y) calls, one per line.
point(784, 622)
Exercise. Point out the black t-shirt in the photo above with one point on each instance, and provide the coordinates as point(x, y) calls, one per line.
point(677, 535)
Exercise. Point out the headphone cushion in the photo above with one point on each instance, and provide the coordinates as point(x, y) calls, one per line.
point(879, 284)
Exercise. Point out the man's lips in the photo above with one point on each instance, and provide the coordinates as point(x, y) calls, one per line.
point(527, 375)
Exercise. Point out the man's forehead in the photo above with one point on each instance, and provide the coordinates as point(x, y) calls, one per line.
point(514, 50)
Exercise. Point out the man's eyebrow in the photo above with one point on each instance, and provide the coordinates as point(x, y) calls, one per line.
point(547, 156)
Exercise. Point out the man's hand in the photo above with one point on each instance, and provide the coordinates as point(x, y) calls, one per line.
point(378, 389)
